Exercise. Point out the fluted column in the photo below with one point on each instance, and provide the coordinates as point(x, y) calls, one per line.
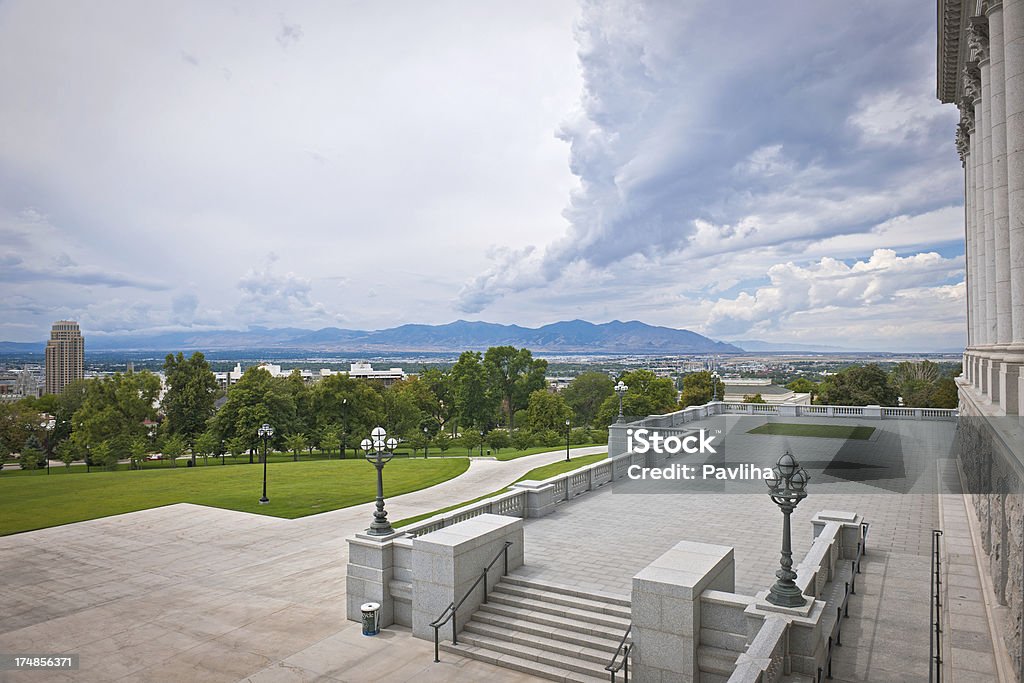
point(963, 148)
point(1012, 16)
point(972, 90)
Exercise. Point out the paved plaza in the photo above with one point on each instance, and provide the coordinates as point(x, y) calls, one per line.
point(192, 593)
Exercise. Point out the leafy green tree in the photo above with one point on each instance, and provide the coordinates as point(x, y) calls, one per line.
point(858, 386)
point(474, 405)
point(236, 446)
point(104, 455)
point(33, 445)
point(352, 403)
point(31, 454)
point(579, 436)
point(403, 415)
point(206, 444)
point(174, 448)
point(439, 405)
point(498, 439)
point(753, 398)
point(648, 394)
point(257, 398)
point(471, 440)
point(114, 409)
point(295, 443)
point(191, 392)
point(330, 435)
point(137, 451)
point(66, 453)
point(698, 389)
point(586, 393)
point(513, 375)
point(944, 394)
point(802, 385)
point(443, 442)
point(522, 439)
point(547, 411)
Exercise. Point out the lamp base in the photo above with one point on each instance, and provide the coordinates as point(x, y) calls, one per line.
point(264, 501)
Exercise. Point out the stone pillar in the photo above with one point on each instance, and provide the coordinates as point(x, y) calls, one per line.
point(617, 439)
point(1013, 67)
point(368, 576)
point(445, 563)
point(972, 92)
point(1000, 191)
point(666, 609)
point(978, 31)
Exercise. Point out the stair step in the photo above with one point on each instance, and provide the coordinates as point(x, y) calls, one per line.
point(521, 615)
point(565, 590)
point(566, 663)
point(565, 600)
point(599, 640)
point(522, 664)
point(537, 605)
point(716, 660)
point(590, 652)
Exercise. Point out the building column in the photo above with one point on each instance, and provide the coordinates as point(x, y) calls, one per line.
point(972, 91)
point(963, 148)
point(1012, 24)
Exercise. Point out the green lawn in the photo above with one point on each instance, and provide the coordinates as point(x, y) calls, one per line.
point(513, 454)
point(295, 489)
point(537, 474)
point(824, 431)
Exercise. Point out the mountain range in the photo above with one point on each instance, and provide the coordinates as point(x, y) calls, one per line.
point(572, 336)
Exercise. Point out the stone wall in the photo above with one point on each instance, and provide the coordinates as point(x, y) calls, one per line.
point(992, 473)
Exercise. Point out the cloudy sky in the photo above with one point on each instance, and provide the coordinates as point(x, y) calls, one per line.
point(747, 170)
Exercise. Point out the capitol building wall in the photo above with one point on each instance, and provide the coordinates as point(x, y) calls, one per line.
point(981, 71)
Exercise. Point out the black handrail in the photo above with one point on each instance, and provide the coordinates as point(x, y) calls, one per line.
point(935, 616)
point(449, 612)
point(623, 648)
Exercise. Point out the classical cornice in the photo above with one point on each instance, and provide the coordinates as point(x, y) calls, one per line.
point(952, 46)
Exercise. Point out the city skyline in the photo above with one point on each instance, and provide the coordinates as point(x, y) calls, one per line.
point(202, 167)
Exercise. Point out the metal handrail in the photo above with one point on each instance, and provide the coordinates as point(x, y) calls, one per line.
point(624, 648)
point(935, 615)
point(449, 612)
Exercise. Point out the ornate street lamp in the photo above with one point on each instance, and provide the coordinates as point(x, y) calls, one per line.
point(621, 390)
point(265, 432)
point(379, 451)
point(714, 387)
point(567, 431)
point(48, 425)
point(426, 442)
point(787, 484)
point(344, 426)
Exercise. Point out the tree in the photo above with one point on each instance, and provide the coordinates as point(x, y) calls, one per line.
point(352, 403)
point(257, 398)
point(206, 444)
point(329, 435)
point(440, 404)
point(113, 410)
point(191, 392)
point(498, 439)
point(474, 405)
point(33, 446)
point(547, 411)
point(103, 454)
point(137, 451)
point(30, 454)
point(174, 448)
point(648, 394)
point(66, 453)
point(513, 374)
point(443, 442)
point(471, 440)
point(858, 386)
point(295, 443)
point(753, 398)
point(586, 393)
point(522, 439)
point(802, 385)
point(236, 446)
point(698, 390)
point(403, 415)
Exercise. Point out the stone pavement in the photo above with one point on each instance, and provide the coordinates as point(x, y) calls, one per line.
point(185, 592)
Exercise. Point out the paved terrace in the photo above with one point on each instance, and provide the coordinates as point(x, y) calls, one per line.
point(186, 592)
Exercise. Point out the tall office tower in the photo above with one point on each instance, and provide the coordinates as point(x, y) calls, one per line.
point(65, 356)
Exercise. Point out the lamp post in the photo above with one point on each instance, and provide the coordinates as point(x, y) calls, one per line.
point(787, 484)
point(48, 426)
point(481, 444)
point(344, 426)
point(426, 442)
point(714, 387)
point(265, 432)
point(621, 390)
point(567, 432)
point(379, 451)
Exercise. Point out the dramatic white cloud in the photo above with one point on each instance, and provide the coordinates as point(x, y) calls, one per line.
point(518, 162)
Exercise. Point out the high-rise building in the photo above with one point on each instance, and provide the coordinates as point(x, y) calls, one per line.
point(65, 356)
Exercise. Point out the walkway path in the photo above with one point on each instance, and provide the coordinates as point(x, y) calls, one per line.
point(186, 592)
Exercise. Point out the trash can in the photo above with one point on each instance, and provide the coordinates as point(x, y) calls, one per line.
point(371, 618)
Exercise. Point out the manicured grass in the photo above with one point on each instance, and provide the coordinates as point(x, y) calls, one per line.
point(513, 454)
point(536, 474)
point(824, 431)
point(294, 489)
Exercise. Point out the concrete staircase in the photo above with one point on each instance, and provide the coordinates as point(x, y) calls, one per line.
point(544, 630)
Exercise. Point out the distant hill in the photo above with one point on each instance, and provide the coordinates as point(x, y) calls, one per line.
point(573, 336)
point(755, 345)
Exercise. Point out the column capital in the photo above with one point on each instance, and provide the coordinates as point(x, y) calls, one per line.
point(977, 37)
point(993, 6)
point(967, 118)
point(972, 82)
point(963, 142)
